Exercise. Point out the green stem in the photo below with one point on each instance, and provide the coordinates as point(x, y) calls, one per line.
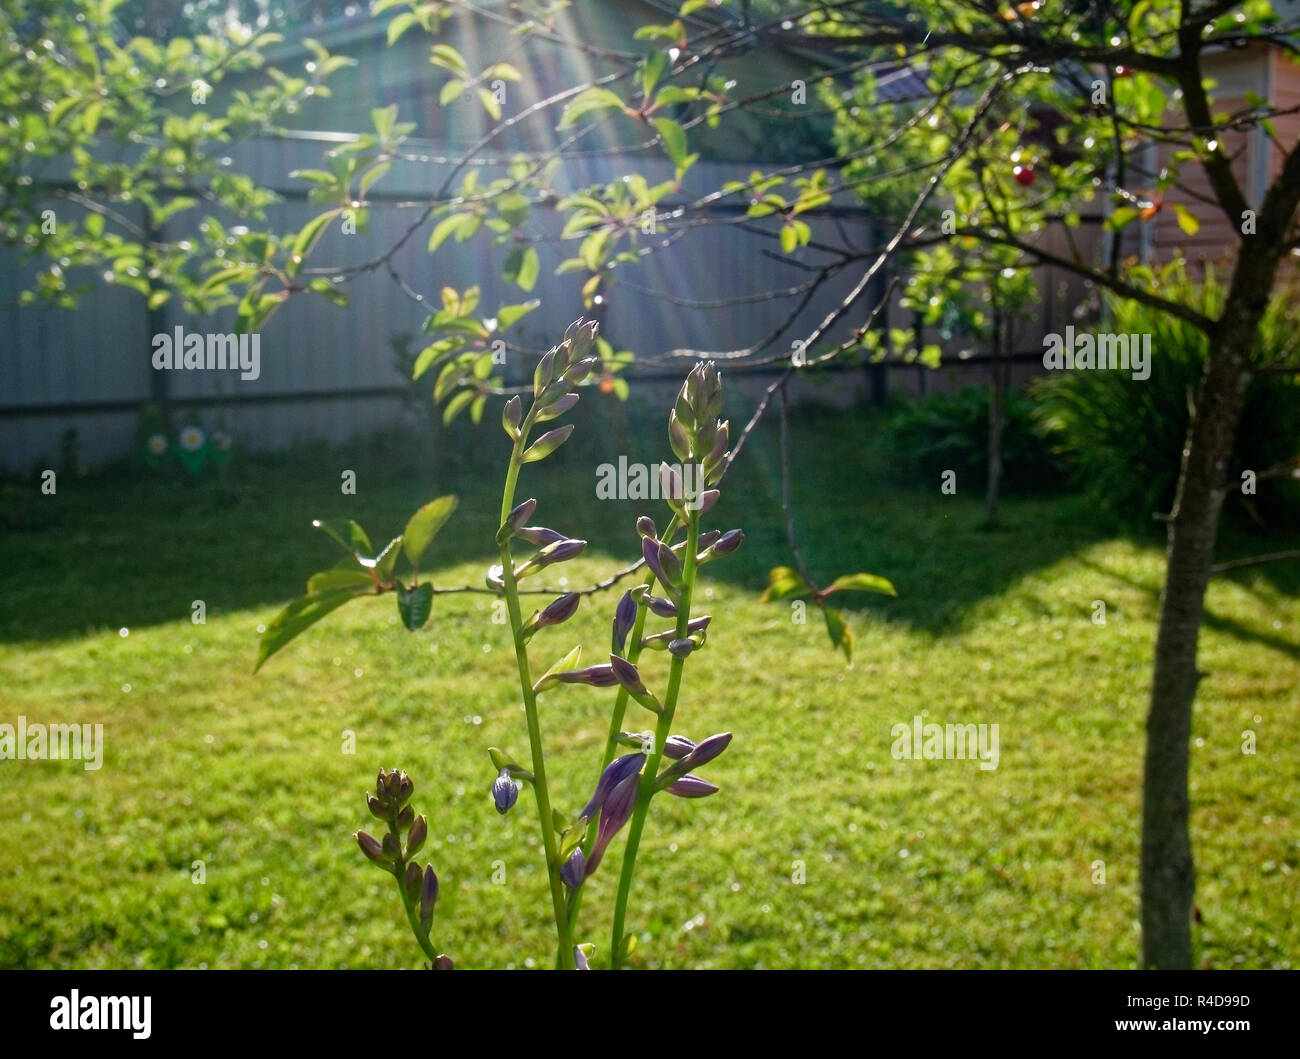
point(413, 919)
point(564, 955)
point(619, 713)
point(662, 731)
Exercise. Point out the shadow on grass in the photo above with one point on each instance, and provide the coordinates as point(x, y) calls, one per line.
point(129, 549)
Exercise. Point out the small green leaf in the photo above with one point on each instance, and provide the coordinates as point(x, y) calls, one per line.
point(345, 576)
point(674, 140)
point(444, 228)
point(500, 759)
point(1186, 219)
point(414, 605)
point(386, 561)
point(585, 102)
point(298, 616)
point(509, 315)
point(783, 583)
point(522, 267)
point(569, 661)
point(841, 634)
point(347, 533)
point(425, 524)
point(860, 583)
point(1119, 217)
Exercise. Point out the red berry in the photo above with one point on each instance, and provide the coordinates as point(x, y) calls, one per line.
point(1024, 175)
point(1123, 71)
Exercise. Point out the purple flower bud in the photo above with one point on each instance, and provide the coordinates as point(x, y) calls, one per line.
point(376, 806)
point(669, 564)
point(428, 897)
point(665, 608)
point(645, 526)
point(699, 624)
point(681, 648)
point(707, 499)
point(559, 611)
point(580, 369)
point(728, 542)
point(512, 415)
point(678, 437)
point(599, 676)
point(419, 832)
point(708, 538)
point(555, 409)
point(443, 963)
point(505, 792)
point(677, 747)
point(521, 514)
point(670, 482)
point(543, 372)
point(391, 847)
point(650, 553)
point(574, 870)
point(371, 848)
point(411, 881)
point(580, 959)
point(691, 786)
point(561, 551)
point(539, 536)
point(707, 750)
point(615, 772)
point(613, 815)
point(626, 673)
point(624, 619)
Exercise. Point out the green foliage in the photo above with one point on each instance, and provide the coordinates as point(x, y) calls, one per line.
point(1123, 438)
point(940, 432)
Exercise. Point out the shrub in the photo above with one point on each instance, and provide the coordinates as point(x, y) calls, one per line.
point(1122, 439)
point(942, 432)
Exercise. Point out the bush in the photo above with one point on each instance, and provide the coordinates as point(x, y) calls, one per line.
point(1123, 439)
point(940, 432)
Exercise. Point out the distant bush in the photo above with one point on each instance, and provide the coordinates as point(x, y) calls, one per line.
point(939, 432)
point(1122, 439)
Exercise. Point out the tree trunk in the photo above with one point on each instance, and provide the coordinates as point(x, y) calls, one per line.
point(1168, 875)
point(997, 415)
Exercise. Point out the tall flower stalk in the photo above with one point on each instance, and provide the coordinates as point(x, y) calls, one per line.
point(635, 766)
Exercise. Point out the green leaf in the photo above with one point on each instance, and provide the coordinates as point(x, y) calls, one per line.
point(399, 25)
point(347, 533)
point(449, 58)
point(415, 604)
point(522, 267)
point(861, 583)
point(306, 239)
point(443, 229)
point(425, 524)
point(569, 661)
point(585, 102)
point(783, 583)
point(371, 175)
point(789, 239)
point(509, 315)
point(451, 91)
point(1119, 217)
point(841, 634)
point(457, 405)
point(1186, 219)
point(386, 561)
point(674, 140)
point(298, 616)
point(345, 576)
point(652, 72)
point(384, 119)
point(500, 759)
point(490, 103)
point(329, 291)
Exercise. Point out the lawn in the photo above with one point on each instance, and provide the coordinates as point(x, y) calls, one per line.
point(820, 851)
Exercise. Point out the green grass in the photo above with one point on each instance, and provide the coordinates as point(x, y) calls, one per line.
point(906, 863)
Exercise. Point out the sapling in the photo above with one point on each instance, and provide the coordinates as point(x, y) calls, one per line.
point(635, 766)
